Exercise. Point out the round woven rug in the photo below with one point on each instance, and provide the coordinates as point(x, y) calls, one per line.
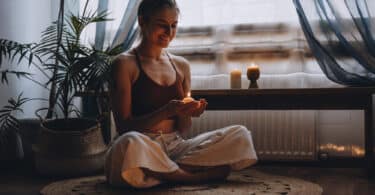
point(248, 181)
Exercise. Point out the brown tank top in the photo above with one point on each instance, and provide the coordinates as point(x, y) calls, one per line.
point(148, 96)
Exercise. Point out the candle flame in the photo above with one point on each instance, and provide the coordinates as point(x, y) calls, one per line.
point(188, 94)
point(253, 67)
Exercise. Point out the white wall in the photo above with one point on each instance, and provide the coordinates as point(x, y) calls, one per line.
point(23, 21)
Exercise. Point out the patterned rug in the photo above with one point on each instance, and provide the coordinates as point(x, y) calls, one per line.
point(248, 181)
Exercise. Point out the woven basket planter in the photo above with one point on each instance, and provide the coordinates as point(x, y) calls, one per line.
point(71, 147)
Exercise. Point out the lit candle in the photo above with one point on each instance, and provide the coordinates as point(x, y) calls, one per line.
point(188, 98)
point(253, 72)
point(235, 79)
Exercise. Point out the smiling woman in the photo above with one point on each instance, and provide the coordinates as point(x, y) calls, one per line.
point(159, 27)
point(147, 93)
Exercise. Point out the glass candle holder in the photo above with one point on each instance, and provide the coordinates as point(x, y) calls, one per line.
point(253, 74)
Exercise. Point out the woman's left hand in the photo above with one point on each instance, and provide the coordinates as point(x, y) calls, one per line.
point(200, 109)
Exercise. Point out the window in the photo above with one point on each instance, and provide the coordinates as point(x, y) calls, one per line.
point(219, 12)
point(218, 35)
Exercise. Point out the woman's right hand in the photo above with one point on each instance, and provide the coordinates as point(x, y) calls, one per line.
point(178, 107)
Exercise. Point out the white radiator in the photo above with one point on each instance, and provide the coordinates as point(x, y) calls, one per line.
point(277, 135)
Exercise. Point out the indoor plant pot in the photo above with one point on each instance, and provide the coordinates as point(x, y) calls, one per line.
point(69, 147)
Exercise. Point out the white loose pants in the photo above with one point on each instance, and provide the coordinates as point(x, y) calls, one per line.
point(132, 151)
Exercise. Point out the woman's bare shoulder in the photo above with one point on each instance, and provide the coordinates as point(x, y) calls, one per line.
point(181, 62)
point(124, 58)
point(125, 64)
point(124, 61)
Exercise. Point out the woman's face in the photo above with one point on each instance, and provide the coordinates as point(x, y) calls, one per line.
point(161, 27)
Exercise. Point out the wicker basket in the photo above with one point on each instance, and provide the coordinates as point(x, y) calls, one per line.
point(71, 147)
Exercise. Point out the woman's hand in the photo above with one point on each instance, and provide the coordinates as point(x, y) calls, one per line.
point(190, 109)
point(200, 108)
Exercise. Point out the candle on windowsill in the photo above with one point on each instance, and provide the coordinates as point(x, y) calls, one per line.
point(253, 72)
point(235, 79)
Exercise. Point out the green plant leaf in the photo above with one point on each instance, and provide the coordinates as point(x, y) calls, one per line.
point(7, 119)
point(18, 74)
point(11, 49)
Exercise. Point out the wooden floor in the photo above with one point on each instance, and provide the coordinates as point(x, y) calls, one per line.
point(334, 181)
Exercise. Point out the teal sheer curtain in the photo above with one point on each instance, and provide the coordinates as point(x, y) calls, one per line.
point(127, 30)
point(341, 34)
point(124, 35)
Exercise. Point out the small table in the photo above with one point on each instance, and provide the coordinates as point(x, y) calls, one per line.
point(345, 98)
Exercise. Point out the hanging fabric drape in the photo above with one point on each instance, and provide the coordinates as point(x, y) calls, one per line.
point(340, 34)
point(120, 31)
point(110, 35)
point(127, 30)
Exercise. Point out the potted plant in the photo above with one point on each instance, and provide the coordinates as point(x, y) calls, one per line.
point(11, 146)
point(67, 145)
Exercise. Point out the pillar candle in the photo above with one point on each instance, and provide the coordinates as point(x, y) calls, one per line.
point(235, 79)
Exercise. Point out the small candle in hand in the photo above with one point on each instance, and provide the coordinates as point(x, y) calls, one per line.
point(235, 79)
point(187, 99)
